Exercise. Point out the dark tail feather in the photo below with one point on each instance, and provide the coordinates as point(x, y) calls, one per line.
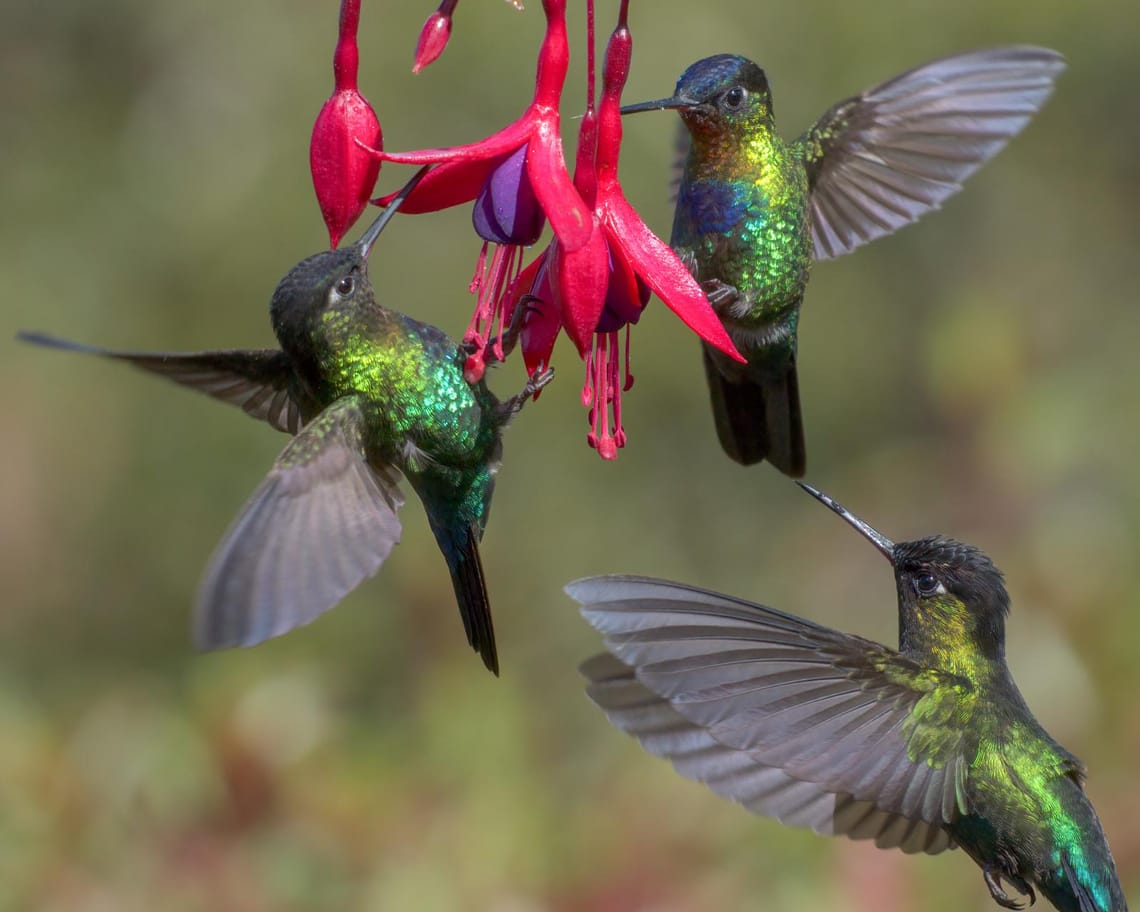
point(1082, 889)
point(759, 419)
point(471, 593)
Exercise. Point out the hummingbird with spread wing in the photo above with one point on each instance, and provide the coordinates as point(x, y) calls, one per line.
point(924, 748)
point(754, 212)
point(369, 394)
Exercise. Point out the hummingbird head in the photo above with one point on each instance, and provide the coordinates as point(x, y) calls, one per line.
point(327, 282)
point(330, 282)
point(949, 591)
point(952, 599)
point(721, 94)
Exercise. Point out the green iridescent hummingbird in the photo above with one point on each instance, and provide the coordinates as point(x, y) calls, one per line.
point(366, 391)
point(754, 212)
point(924, 749)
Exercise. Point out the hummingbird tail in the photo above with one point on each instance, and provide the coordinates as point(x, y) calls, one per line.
point(759, 418)
point(1089, 887)
point(462, 553)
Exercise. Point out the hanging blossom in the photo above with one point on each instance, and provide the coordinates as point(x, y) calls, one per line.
point(595, 277)
point(521, 166)
point(602, 287)
point(343, 173)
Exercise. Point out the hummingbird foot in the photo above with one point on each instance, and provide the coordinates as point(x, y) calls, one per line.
point(534, 384)
point(992, 875)
point(722, 296)
point(510, 336)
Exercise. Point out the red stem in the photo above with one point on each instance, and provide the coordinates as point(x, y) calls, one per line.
point(553, 56)
point(346, 58)
point(590, 55)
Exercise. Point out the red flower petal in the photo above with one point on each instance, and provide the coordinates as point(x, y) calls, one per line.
point(663, 272)
point(580, 280)
point(446, 185)
point(569, 217)
point(541, 320)
point(497, 144)
point(343, 174)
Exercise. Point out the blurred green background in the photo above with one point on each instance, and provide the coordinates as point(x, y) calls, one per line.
point(974, 375)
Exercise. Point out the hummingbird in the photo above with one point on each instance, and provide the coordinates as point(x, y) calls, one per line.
point(368, 394)
point(924, 748)
point(754, 212)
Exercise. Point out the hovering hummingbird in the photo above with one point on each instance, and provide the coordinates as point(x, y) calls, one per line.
point(753, 212)
point(923, 749)
point(366, 391)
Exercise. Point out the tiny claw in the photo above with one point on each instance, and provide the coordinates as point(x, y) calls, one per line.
point(721, 295)
point(536, 381)
point(510, 335)
point(534, 384)
point(992, 877)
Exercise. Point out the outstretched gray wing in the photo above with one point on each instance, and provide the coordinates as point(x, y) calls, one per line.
point(737, 775)
point(882, 159)
point(754, 690)
point(321, 522)
point(258, 381)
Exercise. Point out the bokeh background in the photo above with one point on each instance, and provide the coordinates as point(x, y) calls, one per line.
point(975, 375)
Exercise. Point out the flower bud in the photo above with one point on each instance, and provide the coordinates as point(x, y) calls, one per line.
point(434, 35)
point(344, 173)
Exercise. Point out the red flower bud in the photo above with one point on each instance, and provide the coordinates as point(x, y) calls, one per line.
point(434, 36)
point(343, 172)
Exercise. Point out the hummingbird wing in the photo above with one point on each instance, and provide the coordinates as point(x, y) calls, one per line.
point(322, 521)
point(259, 381)
point(824, 707)
point(737, 775)
point(885, 158)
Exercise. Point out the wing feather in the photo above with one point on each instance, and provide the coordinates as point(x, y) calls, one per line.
point(322, 521)
point(258, 381)
point(816, 705)
point(738, 775)
point(883, 159)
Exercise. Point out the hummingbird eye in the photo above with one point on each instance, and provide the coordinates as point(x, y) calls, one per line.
point(734, 97)
point(345, 286)
point(927, 584)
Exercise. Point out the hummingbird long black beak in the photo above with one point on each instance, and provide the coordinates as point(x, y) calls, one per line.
point(876, 538)
point(373, 231)
point(661, 104)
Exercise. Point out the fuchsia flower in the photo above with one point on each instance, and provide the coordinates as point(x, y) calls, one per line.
point(604, 285)
point(596, 276)
point(521, 168)
point(343, 173)
point(463, 170)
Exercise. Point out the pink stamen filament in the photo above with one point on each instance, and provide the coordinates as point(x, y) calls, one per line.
point(491, 283)
point(602, 393)
point(628, 385)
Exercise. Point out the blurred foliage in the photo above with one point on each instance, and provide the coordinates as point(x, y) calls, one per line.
point(974, 375)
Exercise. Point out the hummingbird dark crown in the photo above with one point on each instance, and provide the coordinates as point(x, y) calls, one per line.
point(964, 570)
point(961, 579)
point(707, 78)
point(329, 279)
point(725, 89)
